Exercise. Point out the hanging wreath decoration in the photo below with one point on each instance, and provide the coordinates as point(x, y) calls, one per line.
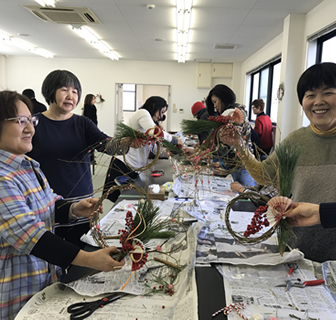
point(281, 91)
point(139, 230)
point(271, 213)
point(99, 98)
point(230, 119)
point(150, 137)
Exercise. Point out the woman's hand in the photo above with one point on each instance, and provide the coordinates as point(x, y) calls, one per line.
point(231, 138)
point(84, 208)
point(302, 214)
point(131, 142)
point(99, 260)
point(188, 151)
point(179, 144)
point(236, 186)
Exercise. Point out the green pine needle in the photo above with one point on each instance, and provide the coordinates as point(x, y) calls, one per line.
point(124, 131)
point(168, 145)
point(152, 228)
point(195, 127)
point(288, 157)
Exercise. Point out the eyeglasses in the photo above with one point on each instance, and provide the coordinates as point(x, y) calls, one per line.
point(23, 120)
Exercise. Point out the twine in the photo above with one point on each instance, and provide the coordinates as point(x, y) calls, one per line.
point(94, 217)
point(234, 306)
point(237, 236)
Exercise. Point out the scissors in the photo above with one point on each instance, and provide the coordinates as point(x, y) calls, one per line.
point(157, 173)
point(289, 284)
point(292, 267)
point(82, 310)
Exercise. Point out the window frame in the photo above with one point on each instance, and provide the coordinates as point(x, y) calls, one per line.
point(268, 103)
point(319, 45)
point(135, 98)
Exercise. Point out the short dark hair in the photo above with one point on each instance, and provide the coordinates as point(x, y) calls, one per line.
point(29, 93)
point(88, 98)
point(154, 104)
point(58, 79)
point(259, 103)
point(224, 93)
point(318, 75)
point(8, 107)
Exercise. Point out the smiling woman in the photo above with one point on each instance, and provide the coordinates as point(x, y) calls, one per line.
point(314, 178)
point(17, 132)
point(29, 249)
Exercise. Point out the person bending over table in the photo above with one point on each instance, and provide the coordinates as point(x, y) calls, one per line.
point(314, 179)
point(220, 99)
point(62, 145)
point(29, 249)
point(143, 119)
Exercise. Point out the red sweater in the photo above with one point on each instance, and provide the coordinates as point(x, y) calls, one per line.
point(263, 125)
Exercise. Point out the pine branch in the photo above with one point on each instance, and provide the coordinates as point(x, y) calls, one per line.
point(198, 126)
point(168, 145)
point(122, 131)
point(288, 157)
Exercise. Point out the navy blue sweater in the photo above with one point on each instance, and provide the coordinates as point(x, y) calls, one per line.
point(62, 149)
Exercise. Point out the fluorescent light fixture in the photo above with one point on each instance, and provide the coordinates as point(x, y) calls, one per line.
point(87, 34)
point(44, 3)
point(24, 45)
point(43, 53)
point(183, 19)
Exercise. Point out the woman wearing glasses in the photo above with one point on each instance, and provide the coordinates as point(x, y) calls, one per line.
point(29, 249)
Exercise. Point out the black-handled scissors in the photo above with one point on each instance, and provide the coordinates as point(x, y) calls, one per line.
point(82, 310)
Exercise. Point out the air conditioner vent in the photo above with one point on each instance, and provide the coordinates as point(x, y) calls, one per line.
point(39, 15)
point(225, 46)
point(89, 17)
point(66, 15)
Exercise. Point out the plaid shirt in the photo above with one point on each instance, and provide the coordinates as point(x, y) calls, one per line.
point(26, 212)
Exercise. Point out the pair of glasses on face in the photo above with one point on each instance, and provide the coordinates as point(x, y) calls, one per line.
point(23, 120)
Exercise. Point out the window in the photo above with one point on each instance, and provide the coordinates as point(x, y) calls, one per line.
point(326, 47)
point(129, 97)
point(264, 83)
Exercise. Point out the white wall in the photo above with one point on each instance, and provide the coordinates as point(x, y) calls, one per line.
point(100, 76)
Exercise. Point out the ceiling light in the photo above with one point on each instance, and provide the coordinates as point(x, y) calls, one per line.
point(87, 34)
point(183, 19)
point(24, 45)
point(46, 3)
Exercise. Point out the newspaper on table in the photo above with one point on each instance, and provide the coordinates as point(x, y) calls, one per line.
point(256, 287)
point(216, 245)
point(208, 187)
point(141, 303)
point(53, 301)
